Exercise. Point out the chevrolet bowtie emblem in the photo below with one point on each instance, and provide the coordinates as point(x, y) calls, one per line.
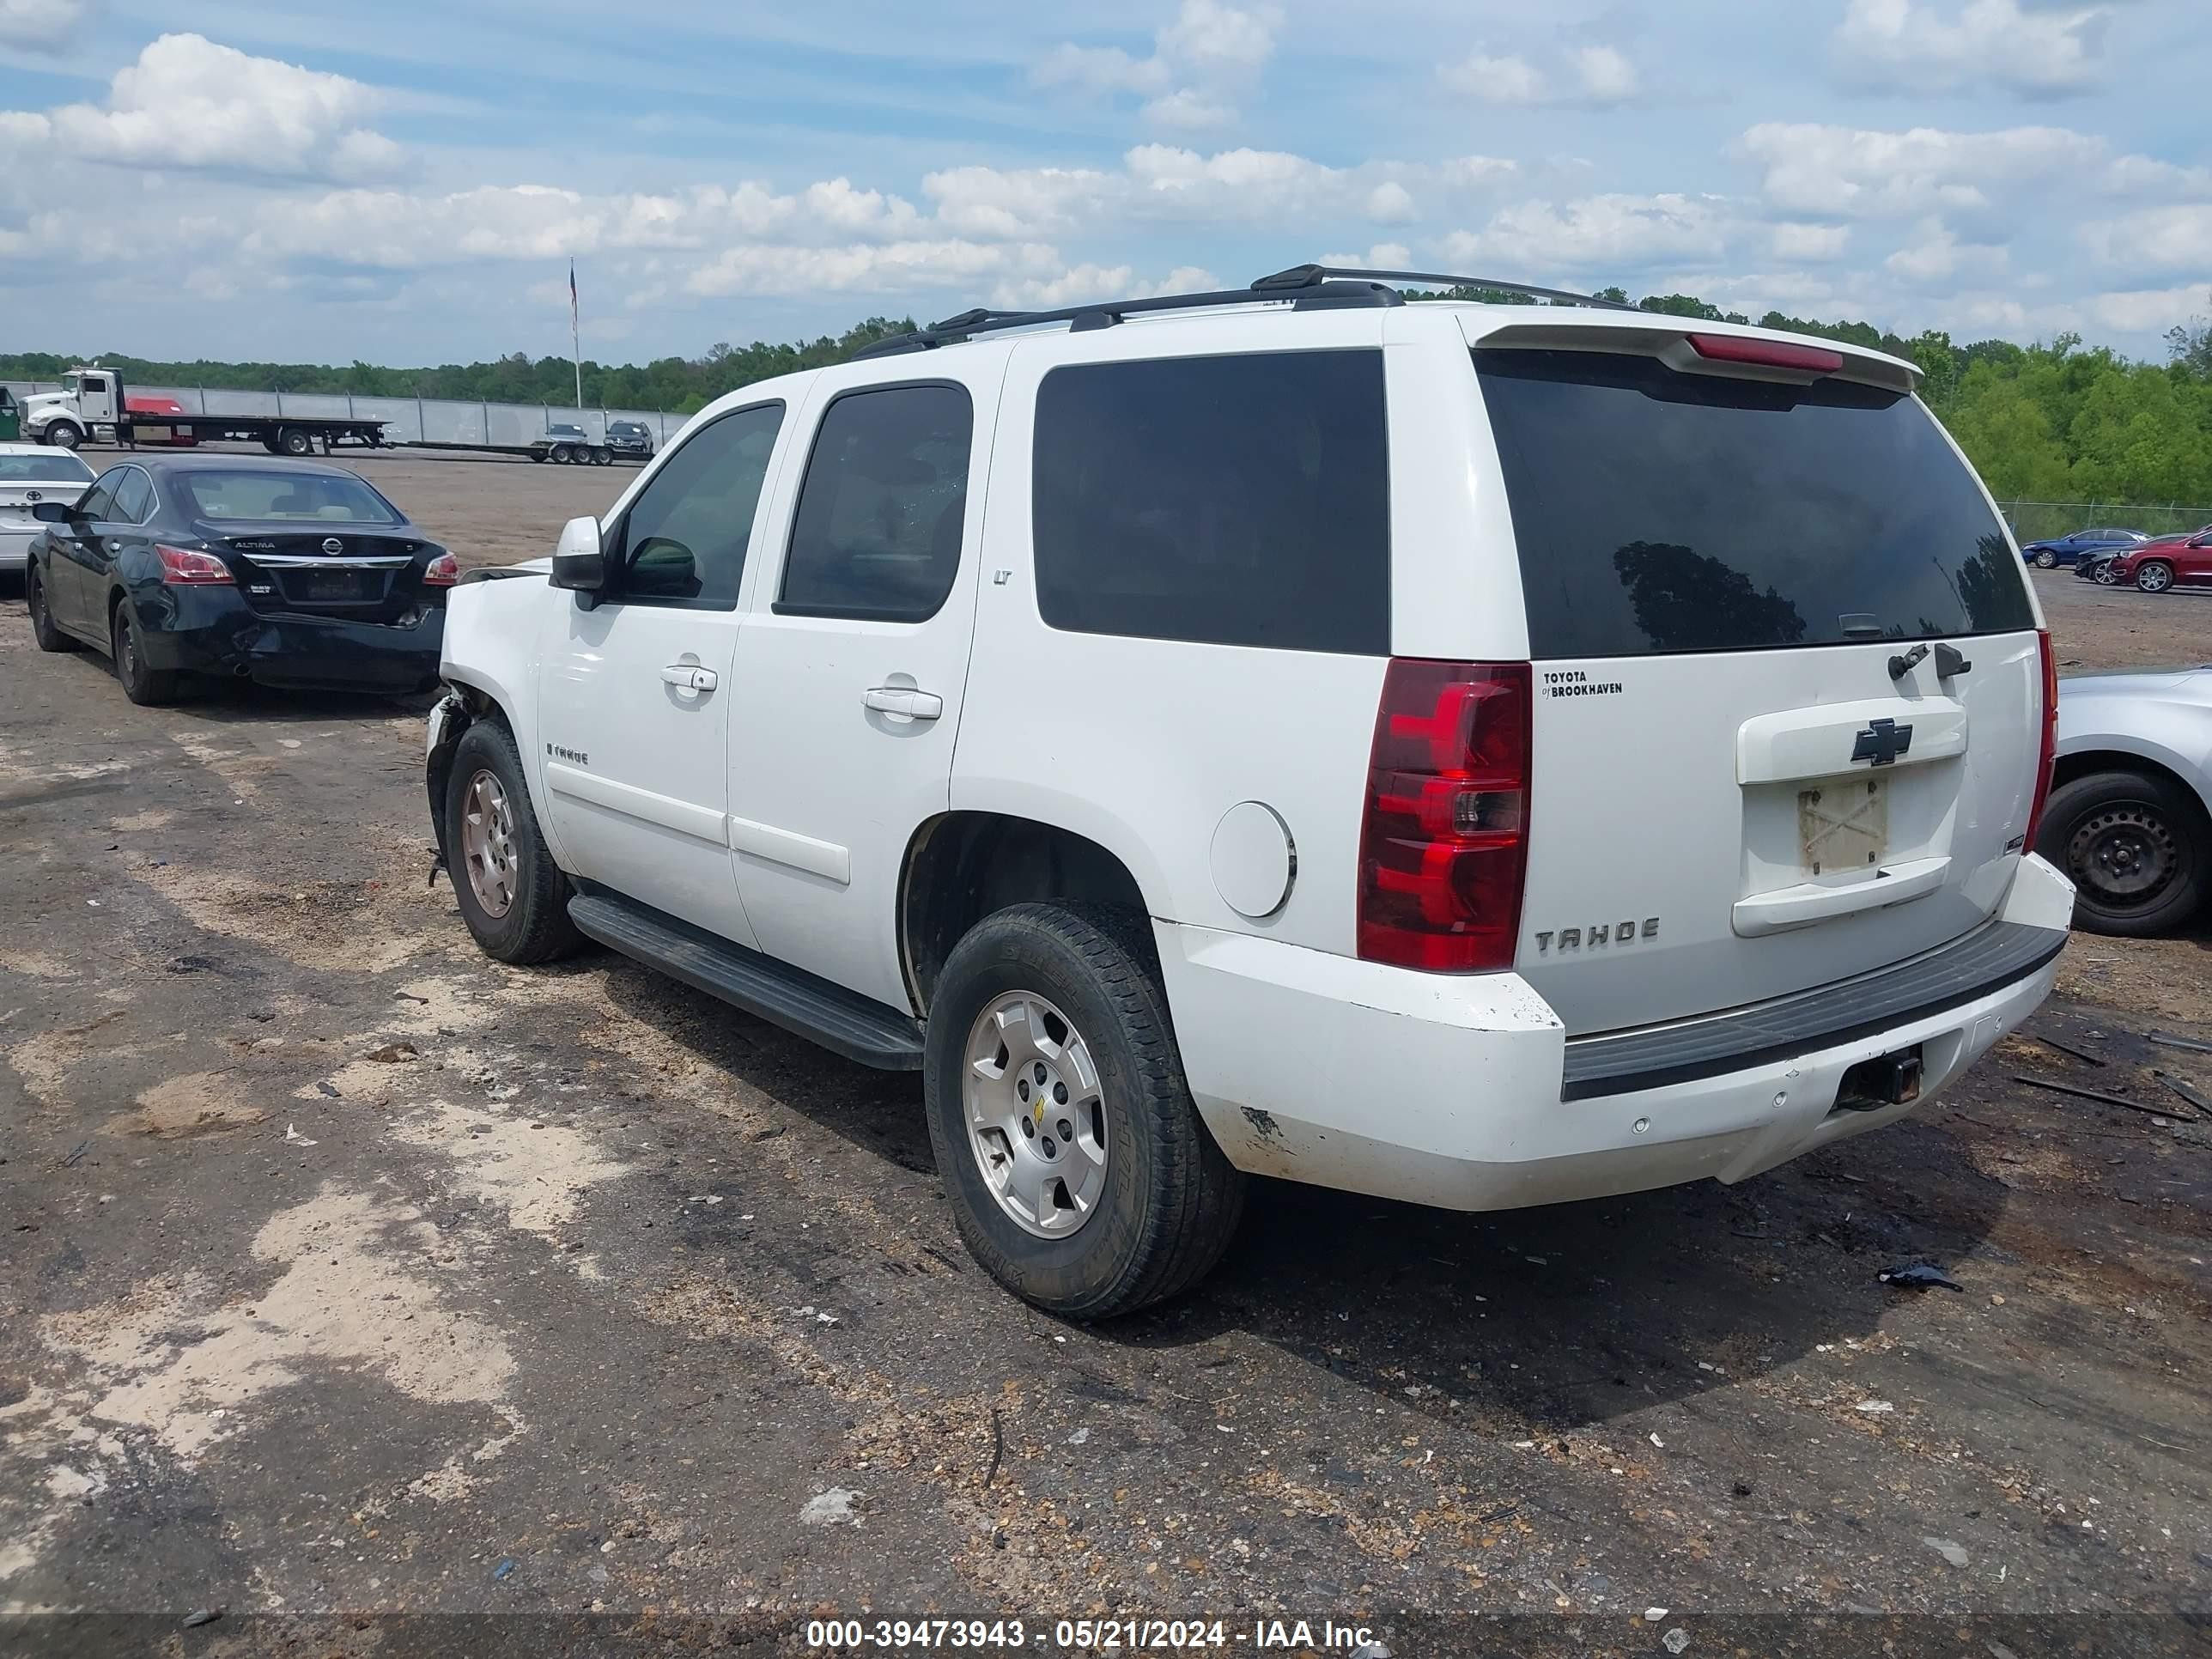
point(1882, 742)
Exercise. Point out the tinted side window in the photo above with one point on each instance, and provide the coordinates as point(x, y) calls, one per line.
point(876, 534)
point(1233, 501)
point(1664, 512)
point(684, 538)
point(134, 496)
point(99, 502)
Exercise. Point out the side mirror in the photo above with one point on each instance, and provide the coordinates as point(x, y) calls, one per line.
point(53, 512)
point(580, 563)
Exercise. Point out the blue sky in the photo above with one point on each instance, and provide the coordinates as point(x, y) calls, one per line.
point(406, 182)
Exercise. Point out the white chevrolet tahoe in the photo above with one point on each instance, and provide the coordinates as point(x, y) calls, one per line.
point(1480, 755)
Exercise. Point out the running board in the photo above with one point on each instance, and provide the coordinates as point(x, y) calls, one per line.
point(859, 1028)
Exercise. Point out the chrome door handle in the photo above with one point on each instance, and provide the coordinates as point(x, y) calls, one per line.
point(902, 700)
point(690, 676)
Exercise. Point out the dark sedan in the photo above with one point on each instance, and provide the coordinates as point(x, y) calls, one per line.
point(288, 572)
point(2083, 544)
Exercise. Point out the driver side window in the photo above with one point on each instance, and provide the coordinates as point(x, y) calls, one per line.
point(684, 540)
point(98, 506)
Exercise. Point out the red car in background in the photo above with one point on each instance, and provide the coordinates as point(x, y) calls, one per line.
point(2169, 562)
point(146, 410)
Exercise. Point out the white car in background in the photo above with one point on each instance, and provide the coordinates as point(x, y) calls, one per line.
point(29, 474)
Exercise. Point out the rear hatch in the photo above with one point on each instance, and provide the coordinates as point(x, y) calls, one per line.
point(1753, 771)
point(352, 573)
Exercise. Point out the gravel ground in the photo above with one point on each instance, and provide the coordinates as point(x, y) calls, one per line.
point(381, 1297)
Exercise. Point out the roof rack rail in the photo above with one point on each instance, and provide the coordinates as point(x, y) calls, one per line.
point(1304, 277)
point(1304, 287)
point(1318, 295)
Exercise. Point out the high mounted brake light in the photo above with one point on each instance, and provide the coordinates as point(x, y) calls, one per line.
point(1444, 850)
point(1766, 354)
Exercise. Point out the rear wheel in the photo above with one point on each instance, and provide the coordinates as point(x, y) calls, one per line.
point(292, 441)
point(1082, 1178)
point(147, 686)
point(602, 456)
point(2138, 847)
point(512, 896)
point(43, 628)
point(2154, 576)
point(2047, 560)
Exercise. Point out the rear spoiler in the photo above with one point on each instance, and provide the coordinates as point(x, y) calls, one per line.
point(1693, 344)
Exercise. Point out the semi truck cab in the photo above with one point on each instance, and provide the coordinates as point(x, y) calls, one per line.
point(84, 408)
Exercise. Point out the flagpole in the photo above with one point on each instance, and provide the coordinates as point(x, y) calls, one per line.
point(575, 335)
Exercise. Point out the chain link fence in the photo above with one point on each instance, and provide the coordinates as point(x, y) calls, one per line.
point(2042, 521)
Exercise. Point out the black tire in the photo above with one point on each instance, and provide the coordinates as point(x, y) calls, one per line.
point(2047, 560)
point(536, 926)
point(147, 687)
point(537, 454)
point(603, 457)
point(2138, 848)
point(1171, 1201)
point(2154, 576)
point(49, 636)
point(292, 441)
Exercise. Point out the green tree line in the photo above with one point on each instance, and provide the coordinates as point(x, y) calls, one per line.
point(2050, 421)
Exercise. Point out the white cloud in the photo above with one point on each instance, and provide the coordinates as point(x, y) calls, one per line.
point(1500, 80)
point(1914, 45)
point(1083, 283)
point(1390, 203)
point(1605, 74)
point(2163, 238)
point(1384, 256)
point(189, 103)
point(869, 267)
point(1831, 170)
point(1596, 77)
point(1100, 68)
point(1935, 255)
point(980, 201)
point(1809, 242)
point(1187, 110)
point(1201, 60)
point(1608, 232)
point(2142, 311)
point(40, 24)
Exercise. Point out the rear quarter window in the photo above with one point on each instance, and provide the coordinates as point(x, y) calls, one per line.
point(1659, 511)
point(1236, 500)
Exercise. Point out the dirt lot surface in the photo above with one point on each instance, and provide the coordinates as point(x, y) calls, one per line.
point(348, 1277)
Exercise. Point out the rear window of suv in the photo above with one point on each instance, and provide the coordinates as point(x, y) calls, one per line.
point(1661, 512)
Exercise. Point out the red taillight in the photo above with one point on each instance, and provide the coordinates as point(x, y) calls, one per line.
point(1443, 848)
point(1768, 354)
point(185, 567)
point(442, 572)
point(2047, 752)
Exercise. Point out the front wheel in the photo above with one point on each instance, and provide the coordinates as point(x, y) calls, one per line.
point(2106, 576)
point(512, 896)
point(61, 435)
point(48, 636)
point(1081, 1177)
point(2047, 560)
point(2138, 848)
point(2153, 577)
point(146, 686)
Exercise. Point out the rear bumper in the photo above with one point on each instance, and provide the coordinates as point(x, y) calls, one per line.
point(16, 550)
point(214, 631)
point(1464, 1093)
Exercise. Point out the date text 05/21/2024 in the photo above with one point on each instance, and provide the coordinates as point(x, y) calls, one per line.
point(1095, 1635)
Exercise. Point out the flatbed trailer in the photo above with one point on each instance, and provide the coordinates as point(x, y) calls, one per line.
point(94, 407)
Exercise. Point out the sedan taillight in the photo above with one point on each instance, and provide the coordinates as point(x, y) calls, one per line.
point(442, 572)
point(186, 567)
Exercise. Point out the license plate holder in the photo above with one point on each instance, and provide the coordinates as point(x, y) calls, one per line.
point(334, 586)
point(1842, 825)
